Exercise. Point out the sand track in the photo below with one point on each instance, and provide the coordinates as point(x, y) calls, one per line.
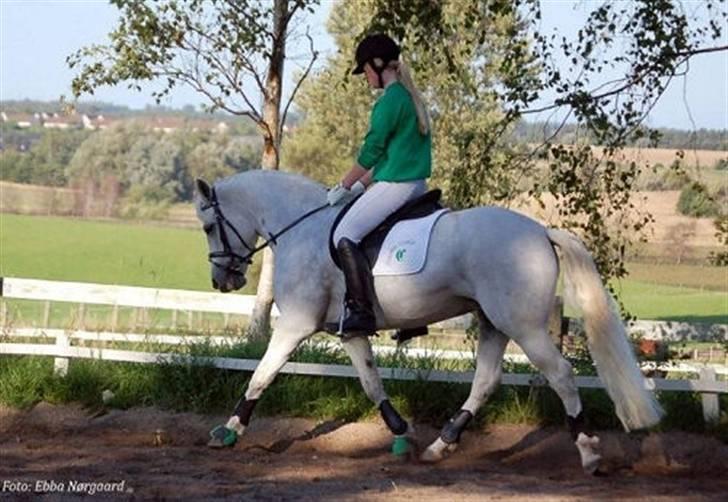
point(162, 455)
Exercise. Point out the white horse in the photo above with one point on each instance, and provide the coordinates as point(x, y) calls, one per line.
point(491, 261)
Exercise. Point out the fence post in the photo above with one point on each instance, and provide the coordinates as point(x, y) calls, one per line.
point(711, 405)
point(114, 317)
point(60, 364)
point(46, 314)
point(81, 316)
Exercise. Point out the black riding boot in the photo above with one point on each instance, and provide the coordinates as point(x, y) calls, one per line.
point(359, 316)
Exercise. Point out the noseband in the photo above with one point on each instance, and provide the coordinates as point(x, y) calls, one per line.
point(235, 261)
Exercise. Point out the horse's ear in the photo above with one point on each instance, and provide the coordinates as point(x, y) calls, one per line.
point(203, 189)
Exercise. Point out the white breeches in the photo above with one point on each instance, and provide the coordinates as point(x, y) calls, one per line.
point(372, 208)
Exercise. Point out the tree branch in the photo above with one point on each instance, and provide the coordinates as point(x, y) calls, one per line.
point(314, 56)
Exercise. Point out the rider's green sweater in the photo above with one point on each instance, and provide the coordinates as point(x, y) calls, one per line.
point(394, 146)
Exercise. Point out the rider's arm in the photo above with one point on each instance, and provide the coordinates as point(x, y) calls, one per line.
point(383, 123)
point(357, 173)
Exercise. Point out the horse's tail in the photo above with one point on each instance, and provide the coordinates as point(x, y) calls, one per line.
point(615, 360)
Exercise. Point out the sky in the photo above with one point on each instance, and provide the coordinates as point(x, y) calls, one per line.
point(36, 37)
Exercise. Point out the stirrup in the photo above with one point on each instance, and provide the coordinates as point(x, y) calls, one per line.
point(404, 335)
point(337, 329)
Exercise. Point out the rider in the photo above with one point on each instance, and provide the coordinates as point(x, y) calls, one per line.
point(396, 154)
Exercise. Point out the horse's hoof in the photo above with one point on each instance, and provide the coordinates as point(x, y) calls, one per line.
point(437, 451)
point(221, 437)
point(401, 446)
point(588, 450)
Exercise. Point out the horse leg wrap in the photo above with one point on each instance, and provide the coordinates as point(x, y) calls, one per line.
point(451, 431)
point(577, 425)
point(394, 421)
point(244, 409)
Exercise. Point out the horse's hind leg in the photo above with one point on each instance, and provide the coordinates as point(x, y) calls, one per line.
point(359, 350)
point(542, 352)
point(488, 369)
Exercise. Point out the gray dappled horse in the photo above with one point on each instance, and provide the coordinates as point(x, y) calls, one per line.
point(494, 262)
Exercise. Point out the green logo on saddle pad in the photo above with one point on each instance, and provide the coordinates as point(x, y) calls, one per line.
point(399, 254)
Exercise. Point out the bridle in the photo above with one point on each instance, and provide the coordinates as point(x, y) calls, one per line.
point(234, 260)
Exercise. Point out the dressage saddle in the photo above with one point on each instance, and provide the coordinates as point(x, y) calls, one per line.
point(372, 242)
point(420, 207)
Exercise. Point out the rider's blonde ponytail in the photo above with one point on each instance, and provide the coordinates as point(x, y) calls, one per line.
point(423, 118)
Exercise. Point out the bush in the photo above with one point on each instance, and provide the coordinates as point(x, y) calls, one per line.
point(695, 201)
point(721, 165)
point(662, 178)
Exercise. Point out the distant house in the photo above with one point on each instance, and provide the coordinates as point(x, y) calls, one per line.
point(56, 121)
point(21, 120)
point(95, 123)
point(169, 124)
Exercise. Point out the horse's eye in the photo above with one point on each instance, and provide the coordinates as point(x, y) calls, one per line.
point(207, 228)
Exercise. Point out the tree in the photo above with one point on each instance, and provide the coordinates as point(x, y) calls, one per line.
point(678, 239)
point(219, 48)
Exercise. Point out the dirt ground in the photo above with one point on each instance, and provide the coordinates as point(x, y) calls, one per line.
point(49, 450)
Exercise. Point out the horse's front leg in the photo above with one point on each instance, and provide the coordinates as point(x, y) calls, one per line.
point(360, 352)
point(286, 338)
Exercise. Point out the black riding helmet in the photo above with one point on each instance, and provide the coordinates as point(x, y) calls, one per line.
point(374, 46)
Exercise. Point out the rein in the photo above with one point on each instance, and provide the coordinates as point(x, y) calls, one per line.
point(237, 260)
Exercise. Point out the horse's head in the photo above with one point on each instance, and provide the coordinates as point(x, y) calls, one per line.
point(230, 238)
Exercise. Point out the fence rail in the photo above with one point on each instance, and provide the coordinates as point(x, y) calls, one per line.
point(32, 289)
point(705, 385)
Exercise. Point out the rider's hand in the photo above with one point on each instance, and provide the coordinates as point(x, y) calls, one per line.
point(336, 195)
point(340, 195)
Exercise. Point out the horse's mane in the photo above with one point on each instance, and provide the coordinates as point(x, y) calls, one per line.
point(292, 192)
point(284, 179)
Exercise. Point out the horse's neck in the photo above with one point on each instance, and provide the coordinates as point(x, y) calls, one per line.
point(275, 200)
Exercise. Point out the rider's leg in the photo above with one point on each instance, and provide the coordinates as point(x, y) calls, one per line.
point(381, 200)
point(359, 316)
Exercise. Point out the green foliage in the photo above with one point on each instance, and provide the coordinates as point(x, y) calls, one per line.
point(153, 169)
point(44, 159)
point(720, 258)
point(695, 201)
point(721, 165)
point(23, 380)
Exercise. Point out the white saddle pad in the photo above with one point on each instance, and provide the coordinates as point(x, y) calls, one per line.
point(404, 250)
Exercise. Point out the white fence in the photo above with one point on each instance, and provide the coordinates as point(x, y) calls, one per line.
point(62, 348)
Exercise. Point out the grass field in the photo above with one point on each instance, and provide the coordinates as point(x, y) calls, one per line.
point(155, 256)
point(104, 252)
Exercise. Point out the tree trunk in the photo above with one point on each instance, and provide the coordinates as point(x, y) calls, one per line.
point(259, 326)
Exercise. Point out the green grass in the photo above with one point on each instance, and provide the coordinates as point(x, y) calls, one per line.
point(670, 303)
point(132, 254)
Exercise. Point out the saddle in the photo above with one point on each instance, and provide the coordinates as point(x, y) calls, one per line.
point(420, 207)
point(371, 244)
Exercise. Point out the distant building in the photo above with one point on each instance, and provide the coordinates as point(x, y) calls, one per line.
point(21, 120)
